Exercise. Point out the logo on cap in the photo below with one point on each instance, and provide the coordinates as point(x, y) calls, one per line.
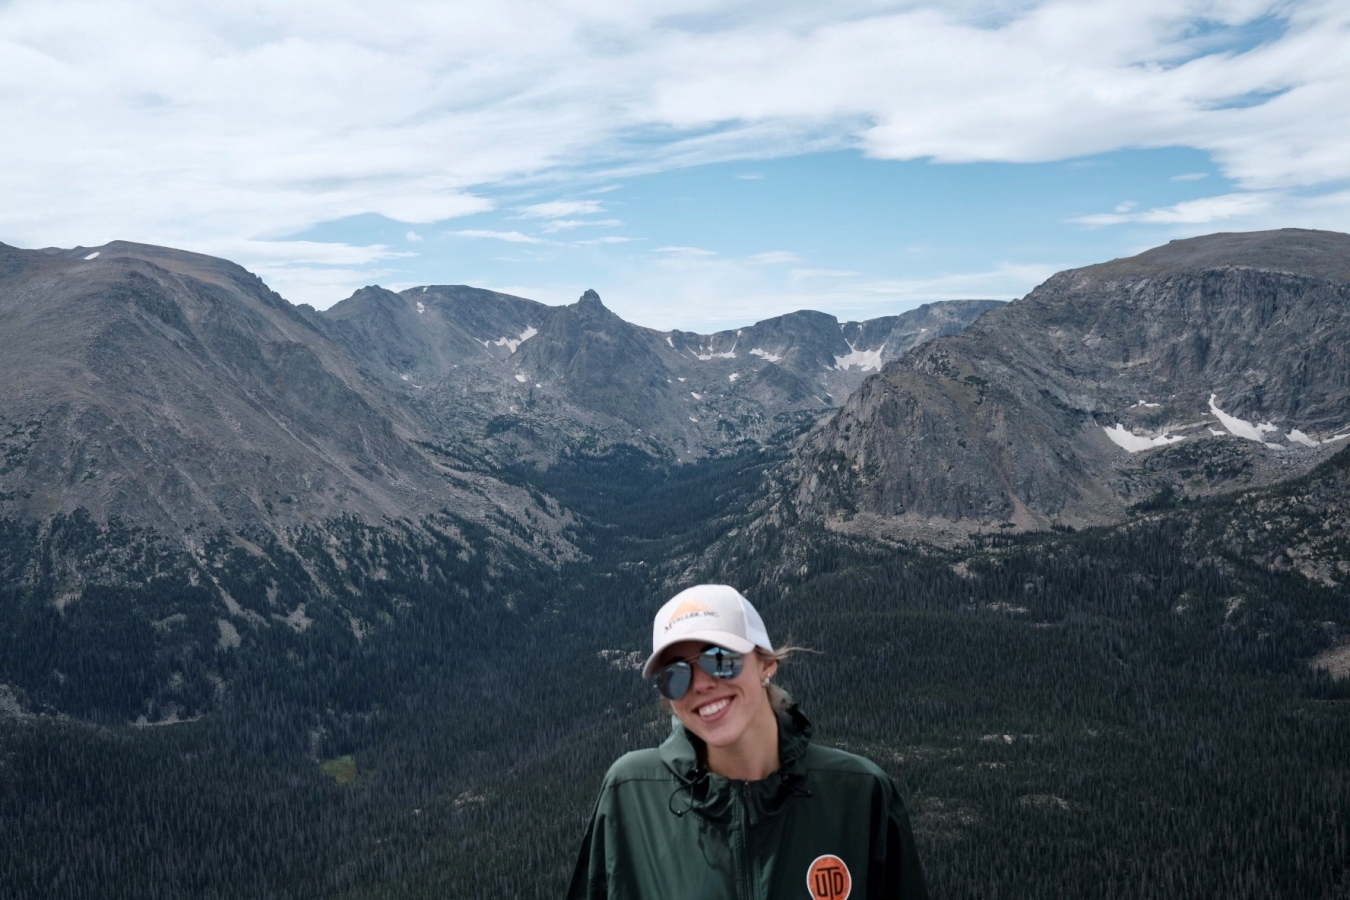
point(687, 610)
point(829, 879)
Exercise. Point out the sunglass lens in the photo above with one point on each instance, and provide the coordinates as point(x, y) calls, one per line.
point(720, 662)
point(673, 680)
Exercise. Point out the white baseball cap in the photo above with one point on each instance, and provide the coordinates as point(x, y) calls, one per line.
point(711, 613)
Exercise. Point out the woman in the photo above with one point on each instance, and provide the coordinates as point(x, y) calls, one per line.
point(738, 803)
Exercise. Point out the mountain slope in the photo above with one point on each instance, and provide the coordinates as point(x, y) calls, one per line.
point(1208, 364)
point(177, 391)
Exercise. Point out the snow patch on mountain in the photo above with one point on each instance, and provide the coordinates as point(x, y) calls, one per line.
point(1128, 440)
point(766, 355)
point(1240, 427)
point(709, 354)
point(863, 359)
point(512, 343)
point(1296, 436)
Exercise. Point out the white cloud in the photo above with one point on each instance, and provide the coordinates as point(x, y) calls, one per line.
point(569, 224)
point(322, 253)
point(203, 125)
point(1189, 212)
point(773, 258)
point(707, 292)
point(413, 237)
point(750, 176)
point(1003, 282)
point(1190, 176)
point(1236, 212)
point(514, 237)
point(686, 252)
point(806, 273)
point(556, 209)
point(320, 287)
point(607, 239)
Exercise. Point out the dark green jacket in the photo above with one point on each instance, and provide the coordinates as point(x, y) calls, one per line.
point(828, 825)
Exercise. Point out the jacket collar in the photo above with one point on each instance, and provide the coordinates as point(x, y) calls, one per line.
point(712, 795)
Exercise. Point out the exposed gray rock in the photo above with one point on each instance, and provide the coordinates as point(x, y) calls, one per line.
point(507, 378)
point(178, 391)
point(1012, 420)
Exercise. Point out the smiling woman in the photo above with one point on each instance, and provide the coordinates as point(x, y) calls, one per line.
point(738, 802)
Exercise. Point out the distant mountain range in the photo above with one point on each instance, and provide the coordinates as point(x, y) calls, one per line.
point(178, 391)
point(522, 379)
point(1203, 366)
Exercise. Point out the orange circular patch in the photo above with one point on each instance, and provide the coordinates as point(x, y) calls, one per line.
point(829, 879)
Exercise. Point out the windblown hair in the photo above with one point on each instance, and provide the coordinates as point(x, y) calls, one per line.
point(779, 698)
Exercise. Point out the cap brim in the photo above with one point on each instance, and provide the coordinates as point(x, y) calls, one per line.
point(720, 638)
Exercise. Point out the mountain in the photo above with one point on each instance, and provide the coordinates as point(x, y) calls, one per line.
point(530, 382)
point(1206, 365)
point(178, 391)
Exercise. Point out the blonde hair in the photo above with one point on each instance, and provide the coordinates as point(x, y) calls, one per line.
point(779, 699)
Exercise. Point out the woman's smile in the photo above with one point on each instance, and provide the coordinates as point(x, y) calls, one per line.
point(710, 712)
point(728, 714)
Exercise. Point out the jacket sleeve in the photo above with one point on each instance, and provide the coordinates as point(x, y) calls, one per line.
point(902, 874)
point(590, 879)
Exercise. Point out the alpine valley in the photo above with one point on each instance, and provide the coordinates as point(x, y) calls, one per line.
point(350, 603)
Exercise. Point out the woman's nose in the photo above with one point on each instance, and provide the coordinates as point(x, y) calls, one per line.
point(702, 680)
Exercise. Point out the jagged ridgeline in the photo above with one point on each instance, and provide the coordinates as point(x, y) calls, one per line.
point(350, 603)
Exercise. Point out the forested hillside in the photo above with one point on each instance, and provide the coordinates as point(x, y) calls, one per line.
point(1117, 712)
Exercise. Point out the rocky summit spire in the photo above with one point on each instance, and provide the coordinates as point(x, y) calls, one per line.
point(590, 300)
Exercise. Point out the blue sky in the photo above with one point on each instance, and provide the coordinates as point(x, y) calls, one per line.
point(701, 164)
point(860, 237)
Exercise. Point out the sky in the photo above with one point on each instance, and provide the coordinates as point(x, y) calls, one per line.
point(700, 164)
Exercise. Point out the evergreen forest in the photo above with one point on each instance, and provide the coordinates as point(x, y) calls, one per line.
point(1123, 712)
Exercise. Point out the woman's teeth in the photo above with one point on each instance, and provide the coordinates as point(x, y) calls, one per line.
point(714, 708)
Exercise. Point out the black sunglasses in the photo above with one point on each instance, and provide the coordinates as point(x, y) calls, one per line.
point(673, 679)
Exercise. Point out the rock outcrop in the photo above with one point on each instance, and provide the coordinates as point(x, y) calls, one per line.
point(1205, 365)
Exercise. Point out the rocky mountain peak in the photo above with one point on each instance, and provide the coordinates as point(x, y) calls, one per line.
point(590, 301)
point(1204, 365)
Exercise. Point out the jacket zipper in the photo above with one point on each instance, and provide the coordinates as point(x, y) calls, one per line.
point(747, 865)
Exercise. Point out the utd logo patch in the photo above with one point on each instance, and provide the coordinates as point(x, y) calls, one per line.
point(829, 879)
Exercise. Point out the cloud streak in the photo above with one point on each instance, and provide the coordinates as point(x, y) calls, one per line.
point(513, 237)
point(557, 209)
